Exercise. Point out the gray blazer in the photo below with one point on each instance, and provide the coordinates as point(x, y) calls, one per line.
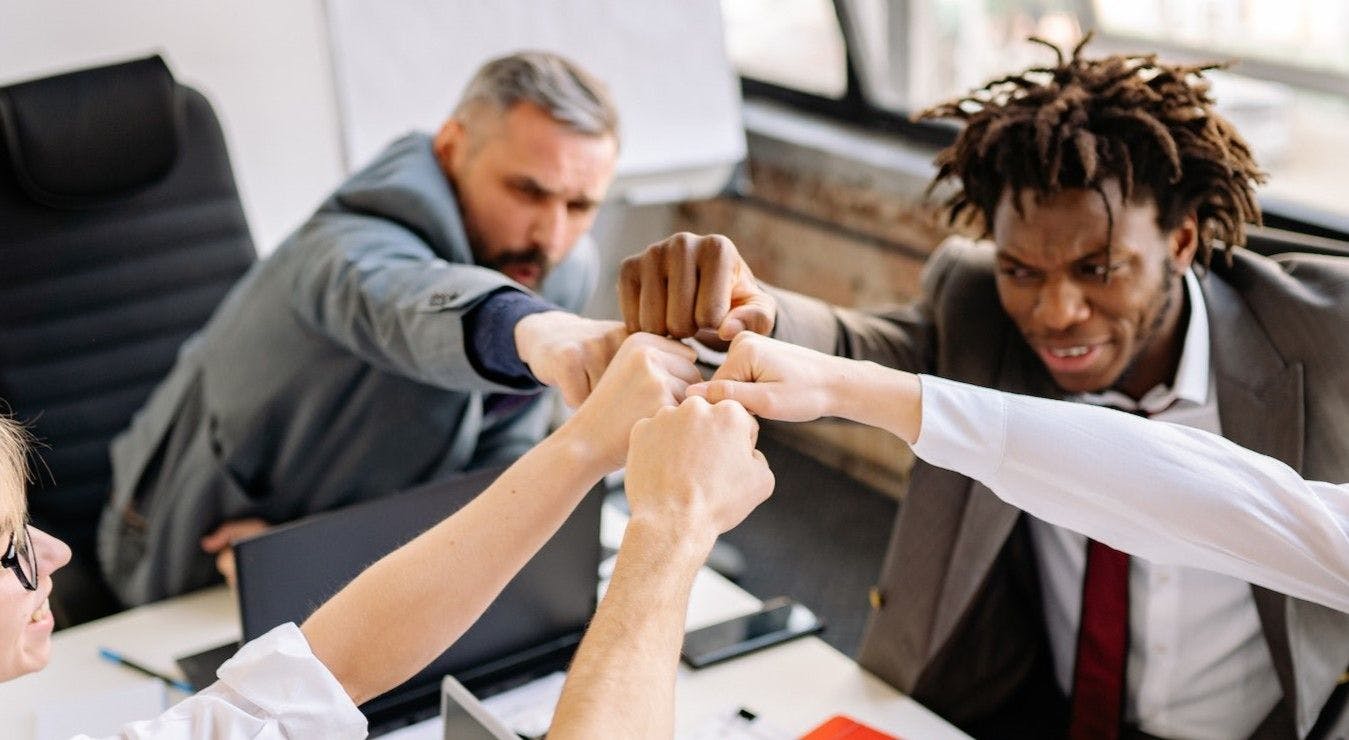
point(335, 371)
point(960, 626)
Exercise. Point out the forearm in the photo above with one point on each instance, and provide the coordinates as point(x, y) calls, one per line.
point(1159, 491)
point(621, 683)
point(880, 397)
point(387, 298)
point(406, 609)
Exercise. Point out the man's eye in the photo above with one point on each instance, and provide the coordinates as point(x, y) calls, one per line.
point(1020, 274)
point(1098, 270)
point(529, 191)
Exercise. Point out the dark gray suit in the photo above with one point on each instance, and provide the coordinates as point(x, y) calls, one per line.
point(961, 628)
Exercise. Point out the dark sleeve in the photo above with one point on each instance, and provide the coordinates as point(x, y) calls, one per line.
point(489, 330)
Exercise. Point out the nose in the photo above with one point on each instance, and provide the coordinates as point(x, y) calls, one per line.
point(52, 554)
point(550, 229)
point(1061, 304)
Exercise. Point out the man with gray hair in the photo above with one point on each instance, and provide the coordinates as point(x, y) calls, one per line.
point(402, 333)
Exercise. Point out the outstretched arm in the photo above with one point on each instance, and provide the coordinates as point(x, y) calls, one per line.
point(693, 473)
point(404, 610)
point(1165, 492)
point(1160, 491)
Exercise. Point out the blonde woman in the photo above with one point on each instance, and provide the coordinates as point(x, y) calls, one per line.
point(305, 681)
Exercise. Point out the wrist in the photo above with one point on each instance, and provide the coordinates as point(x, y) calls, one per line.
point(674, 543)
point(882, 397)
point(578, 451)
point(531, 326)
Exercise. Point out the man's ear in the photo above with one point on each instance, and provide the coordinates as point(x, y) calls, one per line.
point(449, 142)
point(1184, 242)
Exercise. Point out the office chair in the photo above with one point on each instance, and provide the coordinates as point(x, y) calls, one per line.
point(1270, 241)
point(122, 230)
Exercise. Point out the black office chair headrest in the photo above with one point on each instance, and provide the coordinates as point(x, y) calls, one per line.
point(82, 139)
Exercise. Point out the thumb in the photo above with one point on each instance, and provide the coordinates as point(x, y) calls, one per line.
point(755, 397)
point(755, 316)
point(215, 541)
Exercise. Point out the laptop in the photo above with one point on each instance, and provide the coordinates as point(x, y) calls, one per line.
point(463, 717)
point(531, 629)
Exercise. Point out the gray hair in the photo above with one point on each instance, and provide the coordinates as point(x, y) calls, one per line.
point(569, 94)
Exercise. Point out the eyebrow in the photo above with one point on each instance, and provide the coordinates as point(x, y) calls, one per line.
point(1101, 252)
point(530, 183)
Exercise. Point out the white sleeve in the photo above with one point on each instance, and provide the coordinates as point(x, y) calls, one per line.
point(273, 688)
point(1164, 492)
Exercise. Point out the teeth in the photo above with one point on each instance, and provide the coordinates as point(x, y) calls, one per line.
point(1069, 351)
point(42, 612)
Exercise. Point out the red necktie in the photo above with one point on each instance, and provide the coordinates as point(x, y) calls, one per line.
point(1097, 711)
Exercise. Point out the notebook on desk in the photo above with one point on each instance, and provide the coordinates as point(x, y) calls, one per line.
point(531, 629)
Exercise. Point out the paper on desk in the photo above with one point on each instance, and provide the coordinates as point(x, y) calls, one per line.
point(528, 709)
point(100, 713)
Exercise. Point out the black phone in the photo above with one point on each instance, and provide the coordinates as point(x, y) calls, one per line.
point(779, 620)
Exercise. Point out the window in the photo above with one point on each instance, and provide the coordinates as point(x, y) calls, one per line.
point(793, 43)
point(1288, 92)
point(1309, 35)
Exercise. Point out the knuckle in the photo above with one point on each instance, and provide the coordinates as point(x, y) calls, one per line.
point(720, 245)
point(681, 326)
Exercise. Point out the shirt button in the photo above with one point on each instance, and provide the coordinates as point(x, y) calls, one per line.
point(876, 598)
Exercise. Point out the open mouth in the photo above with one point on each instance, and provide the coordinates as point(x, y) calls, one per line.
point(523, 274)
point(1074, 358)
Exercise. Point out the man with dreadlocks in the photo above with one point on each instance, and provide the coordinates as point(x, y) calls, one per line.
point(1105, 186)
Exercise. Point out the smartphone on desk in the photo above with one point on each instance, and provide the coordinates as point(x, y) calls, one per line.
point(779, 620)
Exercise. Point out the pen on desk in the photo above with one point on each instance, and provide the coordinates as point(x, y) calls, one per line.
point(118, 658)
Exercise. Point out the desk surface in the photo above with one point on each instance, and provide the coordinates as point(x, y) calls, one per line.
point(794, 686)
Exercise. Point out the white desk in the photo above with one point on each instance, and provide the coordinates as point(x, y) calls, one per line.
point(794, 686)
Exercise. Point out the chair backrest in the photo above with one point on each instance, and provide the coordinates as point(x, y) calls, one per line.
point(1269, 242)
point(120, 231)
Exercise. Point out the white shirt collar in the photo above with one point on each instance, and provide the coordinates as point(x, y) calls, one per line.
point(1191, 383)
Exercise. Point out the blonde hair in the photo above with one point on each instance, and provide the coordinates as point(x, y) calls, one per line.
point(14, 445)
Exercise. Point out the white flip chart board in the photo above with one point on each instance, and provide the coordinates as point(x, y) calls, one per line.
point(401, 65)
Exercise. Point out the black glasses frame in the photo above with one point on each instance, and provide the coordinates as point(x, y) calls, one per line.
point(20, 556)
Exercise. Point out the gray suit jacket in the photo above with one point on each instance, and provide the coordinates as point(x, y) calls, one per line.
point(960, 627)
point(335, 371)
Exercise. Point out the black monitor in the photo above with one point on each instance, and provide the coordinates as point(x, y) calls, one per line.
point(532, 628)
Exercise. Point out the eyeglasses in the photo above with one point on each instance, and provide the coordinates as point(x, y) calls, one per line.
point(21, 558)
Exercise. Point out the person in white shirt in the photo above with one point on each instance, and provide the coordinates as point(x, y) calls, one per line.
point(303, 682)
point(1205, 502)
point(1169, 493)
point(1110, 201)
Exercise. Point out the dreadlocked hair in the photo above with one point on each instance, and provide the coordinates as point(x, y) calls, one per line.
point(1082, 122)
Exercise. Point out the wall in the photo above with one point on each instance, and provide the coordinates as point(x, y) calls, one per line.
point(263, 65)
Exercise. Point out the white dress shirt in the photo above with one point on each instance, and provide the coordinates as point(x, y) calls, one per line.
point(1198, 663)
point(272, 689)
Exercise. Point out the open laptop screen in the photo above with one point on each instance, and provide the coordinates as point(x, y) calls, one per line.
point(286, 573)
